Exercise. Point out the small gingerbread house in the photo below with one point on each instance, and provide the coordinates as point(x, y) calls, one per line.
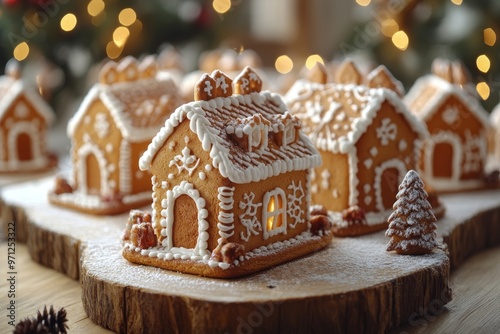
point(231, 183)
point(455, 154)
point(368, 141)
point(109, 132)
point(24, 122)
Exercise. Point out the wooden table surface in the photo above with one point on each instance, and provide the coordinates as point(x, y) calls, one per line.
point(475, 307)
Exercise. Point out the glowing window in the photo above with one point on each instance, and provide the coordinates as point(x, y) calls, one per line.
point(274, 213)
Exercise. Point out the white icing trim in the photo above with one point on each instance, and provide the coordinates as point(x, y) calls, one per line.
point(124, 167)
point(16, 88)
point(324, 136)
point(116, 107)
point(352, 159)
point(31, 130)
point(443, 89)
point(185, 188)
point(200, 114)
point(443, 137)
point(82, 154)
point(294, 207)
point(226, 216)
point(377, 183)
point(249, 217)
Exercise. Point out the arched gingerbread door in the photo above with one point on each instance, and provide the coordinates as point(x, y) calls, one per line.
point(185, 223)
point(93, 175)
point(442, 160)
point(389, 186)
point(24, 147)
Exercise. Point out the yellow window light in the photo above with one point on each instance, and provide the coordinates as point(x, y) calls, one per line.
point(400, 40)
point(95, 7)
point(389, 27)
point(483, 90)
point(127, 17)
point(120, 36)
point(490, 37)
point(21, 51)
point(312, 60)
point(283, 64)
point(112, 50)
point(221, 6)
point(363, 2)
point(68, 22)
point(483, 63)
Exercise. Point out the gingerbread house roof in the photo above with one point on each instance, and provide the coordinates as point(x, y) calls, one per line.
point(11, 88)
point(138, 108)
point(430, 91)
point(336, 126)
point(210, 119)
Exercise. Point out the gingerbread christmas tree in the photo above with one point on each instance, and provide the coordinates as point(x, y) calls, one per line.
point(411, 225)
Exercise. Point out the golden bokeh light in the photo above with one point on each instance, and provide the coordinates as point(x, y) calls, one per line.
point(312, 60)
point(221, 6)
point(120, 36)
point(400, 40)
point(483, 90)
point(127, 17)
point(283, 64)
point(363, 2)
point(95, 7)
point(389, 27)
point(483, 63)
point(21, 51)
point(457, 2)
point(113, 51)
point(490, 37)
point(68, 22)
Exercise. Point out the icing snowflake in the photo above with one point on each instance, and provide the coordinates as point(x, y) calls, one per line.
point(450, 115)
point(186, 161)
point(387, 131)
point(294, 205)
point(249, 217)
point(101, 125)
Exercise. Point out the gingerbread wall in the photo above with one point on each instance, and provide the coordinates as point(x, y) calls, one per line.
point(96, 152)
point(22, 132)
point(457, 135)
point(208, 181)
point(385, 152)
point(330, 184)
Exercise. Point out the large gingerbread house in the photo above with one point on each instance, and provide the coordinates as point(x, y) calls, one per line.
point(231, 183)
point(368, 141)
point(24, 122)
point(110, 131)
point(455, 154)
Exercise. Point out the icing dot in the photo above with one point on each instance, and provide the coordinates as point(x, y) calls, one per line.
point(202, 176)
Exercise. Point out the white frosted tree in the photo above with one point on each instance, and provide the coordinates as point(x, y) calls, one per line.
point(411, 226)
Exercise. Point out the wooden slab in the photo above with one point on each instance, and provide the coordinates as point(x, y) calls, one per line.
point(330, 291)
point(54, 235)
point(354, 285)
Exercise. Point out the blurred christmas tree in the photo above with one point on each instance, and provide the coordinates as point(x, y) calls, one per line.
point(407, 35)
point(74, 35)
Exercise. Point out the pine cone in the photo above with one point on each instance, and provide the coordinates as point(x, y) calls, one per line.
point(47, 322)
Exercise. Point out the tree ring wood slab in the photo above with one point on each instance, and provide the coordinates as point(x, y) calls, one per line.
point(353, 285)
point(57, 237)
